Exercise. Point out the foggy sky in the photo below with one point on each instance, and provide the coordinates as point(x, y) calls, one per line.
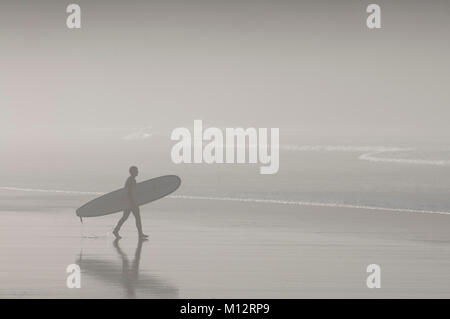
point(311, 65)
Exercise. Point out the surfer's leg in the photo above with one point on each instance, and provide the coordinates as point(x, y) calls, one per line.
point(122, 220)
point(137, 216)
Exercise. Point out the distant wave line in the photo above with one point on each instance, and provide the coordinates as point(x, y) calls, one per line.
point(372, 158)
point(248, 200)
point(369, 153)
point(343, 148)
point(38, 190)
point(307, 203)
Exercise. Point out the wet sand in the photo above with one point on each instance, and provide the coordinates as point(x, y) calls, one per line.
point(234, 250)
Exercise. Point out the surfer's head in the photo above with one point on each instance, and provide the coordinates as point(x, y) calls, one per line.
point(134, 171)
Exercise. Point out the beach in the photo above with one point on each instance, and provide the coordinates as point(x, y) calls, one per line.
point(312, 145)
point(231, 250)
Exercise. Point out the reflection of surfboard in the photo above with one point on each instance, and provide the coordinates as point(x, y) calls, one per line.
point(117, 201)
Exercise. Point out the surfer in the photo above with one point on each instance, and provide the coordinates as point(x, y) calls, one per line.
point(130, 187)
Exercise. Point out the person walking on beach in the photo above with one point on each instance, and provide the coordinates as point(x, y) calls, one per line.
point(130, 188)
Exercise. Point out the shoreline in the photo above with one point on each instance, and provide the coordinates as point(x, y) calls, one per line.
point(241, 199)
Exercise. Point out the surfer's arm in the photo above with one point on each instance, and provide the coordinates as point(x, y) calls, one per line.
point(129, 188)
point(130, 196)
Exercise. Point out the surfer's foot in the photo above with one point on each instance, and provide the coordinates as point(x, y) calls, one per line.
point(143, 236)
point(116, 233)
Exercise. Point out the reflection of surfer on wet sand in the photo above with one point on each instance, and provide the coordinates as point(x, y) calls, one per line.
point(130, 276)
point(130, 189)
point(126, 274)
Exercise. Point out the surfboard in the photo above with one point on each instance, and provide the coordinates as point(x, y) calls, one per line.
point(117, 201)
